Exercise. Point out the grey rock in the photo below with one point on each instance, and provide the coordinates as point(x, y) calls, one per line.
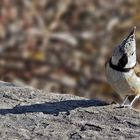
point(31, 114)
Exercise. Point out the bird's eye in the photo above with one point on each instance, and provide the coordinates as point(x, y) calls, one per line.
point(129, 43)
point(132, 53)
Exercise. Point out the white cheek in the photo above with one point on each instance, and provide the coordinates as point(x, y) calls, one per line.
point(114, 60)
point(131, 61)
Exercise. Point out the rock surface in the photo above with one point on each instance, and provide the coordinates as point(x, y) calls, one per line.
point(32, 114)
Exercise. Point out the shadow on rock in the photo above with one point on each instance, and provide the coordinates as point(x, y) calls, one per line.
point(52, 107)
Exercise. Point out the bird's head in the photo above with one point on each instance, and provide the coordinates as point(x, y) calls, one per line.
point(124, 55)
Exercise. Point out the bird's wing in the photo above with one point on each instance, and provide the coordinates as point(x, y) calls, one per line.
point(137, 69)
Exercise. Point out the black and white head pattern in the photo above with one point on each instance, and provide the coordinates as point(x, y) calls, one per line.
point(124, 55)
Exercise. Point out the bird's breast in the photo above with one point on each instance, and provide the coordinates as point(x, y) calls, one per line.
point(124, 83)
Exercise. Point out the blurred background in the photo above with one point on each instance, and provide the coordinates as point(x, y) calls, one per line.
point(62, 45)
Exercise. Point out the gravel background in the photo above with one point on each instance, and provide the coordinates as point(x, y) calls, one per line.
point(62, 45)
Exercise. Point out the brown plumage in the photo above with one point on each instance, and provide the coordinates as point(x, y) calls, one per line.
point(137, 69)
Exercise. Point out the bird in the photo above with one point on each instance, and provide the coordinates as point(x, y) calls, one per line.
point(123, 73)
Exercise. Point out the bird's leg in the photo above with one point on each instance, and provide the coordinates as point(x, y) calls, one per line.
point(124, 102)
point(136, 97)
point(132, 102)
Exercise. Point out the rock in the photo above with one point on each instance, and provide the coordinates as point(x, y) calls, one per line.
point(27, 113)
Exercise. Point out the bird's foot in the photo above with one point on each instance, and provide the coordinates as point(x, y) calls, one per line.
point(126, 106)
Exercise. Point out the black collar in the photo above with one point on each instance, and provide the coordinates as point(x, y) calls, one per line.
point(117, 68)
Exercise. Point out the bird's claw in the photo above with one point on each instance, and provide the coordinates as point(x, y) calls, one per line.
point(125, 106)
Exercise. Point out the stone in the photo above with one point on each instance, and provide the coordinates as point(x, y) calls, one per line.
point(27, 113)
